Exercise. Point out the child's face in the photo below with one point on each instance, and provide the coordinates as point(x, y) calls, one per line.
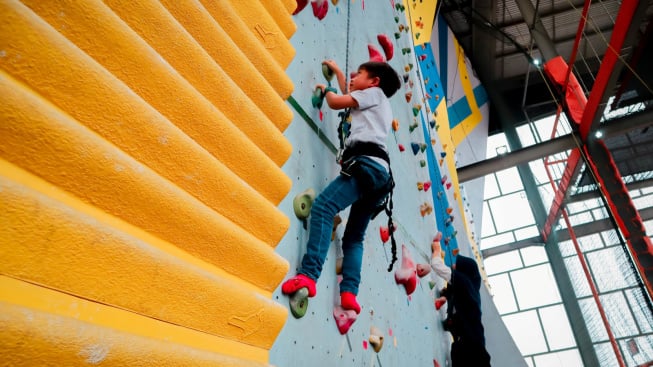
point(362, 80)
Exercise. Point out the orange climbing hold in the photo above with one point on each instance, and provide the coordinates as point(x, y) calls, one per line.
point(406, 275)
point(344, 319)
point(387, 46)
point(376, 338)
point(375, 54)
point(395, 124)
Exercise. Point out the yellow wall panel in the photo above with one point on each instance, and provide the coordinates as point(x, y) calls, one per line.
point(140, 154)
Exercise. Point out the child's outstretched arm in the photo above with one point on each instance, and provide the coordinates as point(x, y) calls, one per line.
point(337, 101)
point(437, 263)
point(340, 76)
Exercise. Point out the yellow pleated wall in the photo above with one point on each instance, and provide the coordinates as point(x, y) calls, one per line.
point(141, 145)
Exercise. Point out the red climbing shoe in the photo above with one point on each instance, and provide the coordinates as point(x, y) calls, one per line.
point(297, 282)
point(348, 302)
point(407, 273)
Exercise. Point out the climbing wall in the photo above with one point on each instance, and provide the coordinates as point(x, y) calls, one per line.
point(427, 198)
point(141, 149)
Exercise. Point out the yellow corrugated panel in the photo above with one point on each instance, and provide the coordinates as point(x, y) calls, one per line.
point(263, 40)
point(123, 53)
point(43, 327)
point(139, 178)
point(235, 62)
point(281, 15)
point(93, 96)
point(45, 141)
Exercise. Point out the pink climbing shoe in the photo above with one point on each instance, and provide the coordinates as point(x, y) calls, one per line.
point(348, 302)
point(407, 273)
point(297, 282)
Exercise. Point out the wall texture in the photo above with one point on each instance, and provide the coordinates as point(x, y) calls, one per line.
point(150, 152)
point(141, 147)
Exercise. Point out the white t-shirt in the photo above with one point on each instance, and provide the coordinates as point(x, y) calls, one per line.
point(372, 120)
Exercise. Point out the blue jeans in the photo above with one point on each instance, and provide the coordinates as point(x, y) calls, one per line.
point(342, 192)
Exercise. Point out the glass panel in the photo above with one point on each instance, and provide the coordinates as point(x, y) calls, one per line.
point(494, 141)
point(498, 240)
point(605, 355)
point(591, 242)
point(509, 180)
point(487, 225)
point(557, 328)
point(526, 331)
point(566, 358)
point(491, 188)
point(528, 232)
point(599, 214)
point(611, 269)
point(577, 277)
point(539, 173)
point(525, 134)
point(637, 351)
point(511, 212)
point(567, 248)
point(618, 313)
point(503, 262)
point(502, 294)
point(535, 286)
point(638, 304)
point(610, 238)
point(593, 320)
point(534, 255)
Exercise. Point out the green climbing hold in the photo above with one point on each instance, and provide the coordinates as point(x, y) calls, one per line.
point(317, 98)
point(303, 202)
point(327, 72)
point(299, 303)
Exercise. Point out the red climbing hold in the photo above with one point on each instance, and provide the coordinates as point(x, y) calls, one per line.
point(385, 233)
point(440, 302)
point(301, 4)
point(320, 8)
point(427, 186)
point(388, 48)
point(375, 54)
point(401, 147)
point(344, 319)
point(406, 275)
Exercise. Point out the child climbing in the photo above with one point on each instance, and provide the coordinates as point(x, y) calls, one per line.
point(464, 308)
point(364, 180)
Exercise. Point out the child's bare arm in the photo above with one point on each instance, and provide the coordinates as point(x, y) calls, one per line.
point(336, 101)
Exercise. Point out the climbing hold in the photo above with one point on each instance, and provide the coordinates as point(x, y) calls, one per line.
point(423, 269)
point(339, 265)
point(344, 318)
point(376, 339)
point(301, 4)
point(384, 232)
point(387, 46)
point(443, 179)
point(449, 210)
point(440, 302)
point(327, 72)
point(432, 123)
point(420, 186)
point(443, 154)
point(334, 2)
point(320, 8)
point(415, 147)
point(427, 186)
point(448, 185)
point(441, 161)
point(375, 54)
point(456, 251)
point(431, 284)
point(397, 35)
point(417, 35)
point(422, 163)
point(396, 19)
point(416, 110)
point(409, 95)
point(318, 98)
point(432, 141)
point(401, 27)
point(406, 275)
point(302, 203)
point(405, 50)
point(422, 58)
point(412, 126)
point(401, 147)
point(422, 147)
point(299, 303)
point(425, 209)
point(395, 124)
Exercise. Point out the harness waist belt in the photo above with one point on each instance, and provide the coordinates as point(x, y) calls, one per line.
point(365, 148)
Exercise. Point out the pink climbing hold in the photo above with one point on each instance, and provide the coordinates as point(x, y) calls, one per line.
point(387, 46)
point(423, 269)
point(301, 4)
point(406, 275)
point(375, 54)
point(320, 8)
point(427, 186)
point(448, 185)
point(401, 147)
point(385, 233)
point(344, 319)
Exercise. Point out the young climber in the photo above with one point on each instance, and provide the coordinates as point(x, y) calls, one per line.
point(364, 180)
point(464, 308)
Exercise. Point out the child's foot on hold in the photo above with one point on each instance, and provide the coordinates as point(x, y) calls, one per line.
point(348, 302)
point(297, 282)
